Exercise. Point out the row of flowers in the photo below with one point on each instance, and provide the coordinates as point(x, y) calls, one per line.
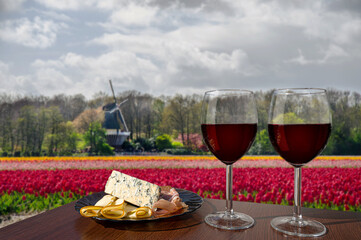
point(201, 163)
point(325, 187)
point(158, 158)
point(19, 202)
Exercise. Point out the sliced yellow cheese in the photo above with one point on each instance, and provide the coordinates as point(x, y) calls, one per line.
point(119, 201)
point(114, 212)
point(106, 200)
point(142, 212)
point(90, 211)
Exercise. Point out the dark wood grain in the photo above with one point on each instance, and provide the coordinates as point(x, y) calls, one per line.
point(65, 223)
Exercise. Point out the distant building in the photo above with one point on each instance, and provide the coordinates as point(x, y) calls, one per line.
point(114, 123)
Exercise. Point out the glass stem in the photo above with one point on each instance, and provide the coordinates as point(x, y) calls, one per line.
point(229, 192)
point(297, 215)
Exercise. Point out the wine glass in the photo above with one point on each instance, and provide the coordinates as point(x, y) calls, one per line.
point(229, 126)
point(299, 125)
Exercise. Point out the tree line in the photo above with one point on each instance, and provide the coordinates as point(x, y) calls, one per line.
point(63, 125)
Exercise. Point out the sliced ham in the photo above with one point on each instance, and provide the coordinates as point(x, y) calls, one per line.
point(168, 203)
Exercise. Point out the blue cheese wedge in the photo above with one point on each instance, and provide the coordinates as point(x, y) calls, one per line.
point(133, 190)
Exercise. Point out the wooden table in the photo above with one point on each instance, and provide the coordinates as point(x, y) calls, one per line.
point(65, 223)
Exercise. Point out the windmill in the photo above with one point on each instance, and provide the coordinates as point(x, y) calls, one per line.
point(114, 123)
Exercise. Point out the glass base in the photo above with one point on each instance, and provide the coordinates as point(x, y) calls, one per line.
point(303, 228)
point(226, 221)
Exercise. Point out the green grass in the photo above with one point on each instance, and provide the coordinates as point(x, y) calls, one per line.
point(23, 202)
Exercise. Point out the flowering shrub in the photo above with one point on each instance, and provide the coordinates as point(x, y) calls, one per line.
point(333, 188)
point(38, 183)
point(195, 141)
point(164, 158)
point(126, 162)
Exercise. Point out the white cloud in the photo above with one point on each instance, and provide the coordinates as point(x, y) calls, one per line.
point(79, 4)
point(73, 73)
point(4, 68)
point(51, 81)
point(38, 33)
point(38, 63)
point(66, 4)
point(349, 32)
point(54, 15)
point(333, 54)
point(133, 14)
point(177, 56)
point(164, 47)
point(16, 84)
point(132, 65)
point(46, 80)
point(335, 51)
point(11, 5)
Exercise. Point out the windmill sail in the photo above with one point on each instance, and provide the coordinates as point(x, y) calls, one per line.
point(114, 123)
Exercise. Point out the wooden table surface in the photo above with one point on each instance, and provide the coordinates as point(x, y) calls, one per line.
point(65, 223)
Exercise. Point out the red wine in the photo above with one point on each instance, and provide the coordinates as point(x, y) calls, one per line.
point(229, 142)
point(299, 143)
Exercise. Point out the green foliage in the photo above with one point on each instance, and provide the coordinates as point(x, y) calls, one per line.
point(32, 126)
point(343, 142)
point(177, 145)
point(163, 142)
point(128, 146)
point(55, 129)
point(179, 151)
point(23, 202)
point(262, 144)
point(64, 140)
point(144, 144)
point(81, 143)
point(95, 137)
point(285, 118)
point(105, 149)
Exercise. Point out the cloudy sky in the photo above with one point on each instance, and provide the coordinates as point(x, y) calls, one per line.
point(159, 47)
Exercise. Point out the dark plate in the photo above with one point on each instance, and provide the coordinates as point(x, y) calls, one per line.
point(193, 200)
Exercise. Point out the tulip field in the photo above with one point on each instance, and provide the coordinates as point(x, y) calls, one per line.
point(36, 184)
